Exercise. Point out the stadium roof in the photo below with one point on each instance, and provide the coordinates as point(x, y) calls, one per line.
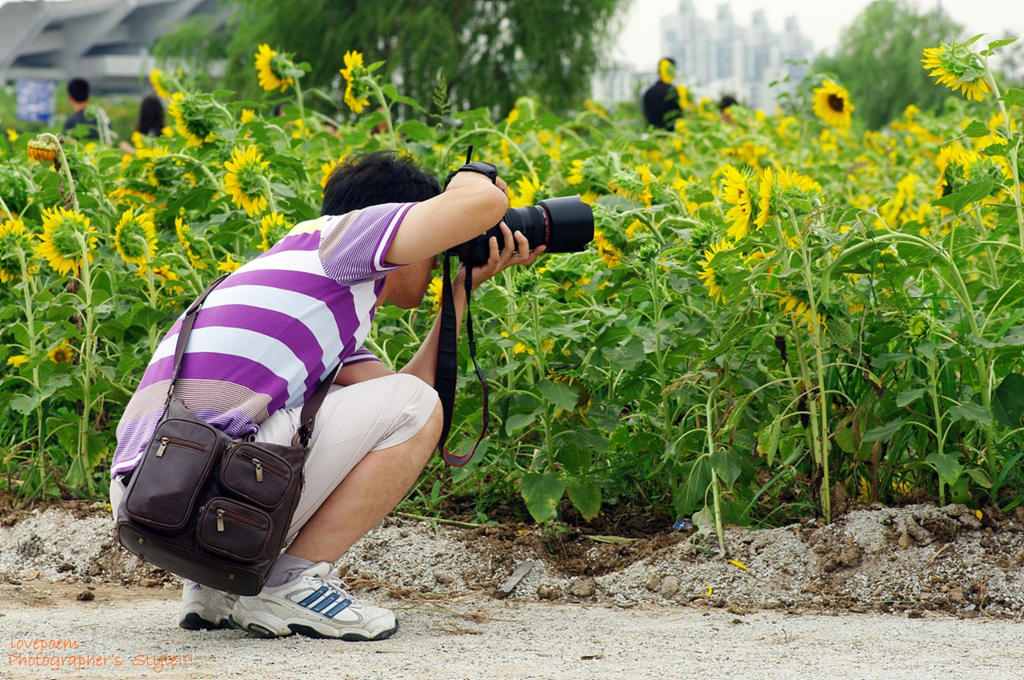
point(105, 41)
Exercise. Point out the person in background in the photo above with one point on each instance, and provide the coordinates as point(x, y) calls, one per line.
point(724, 104)
point(661, 100)
point(78, 96)
point(151, 121)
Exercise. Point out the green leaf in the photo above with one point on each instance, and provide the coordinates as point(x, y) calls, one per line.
point(973, 412)
point(693, 487)
point(728, 465)
point(542, 491)
point(519, 421)
point(768, 440)
point(25, 403)
point(977, 129)
point(909, 396)
point(946, 465)
point(561, 394)
point(575, 460)
point(883, 433)
point(969, 194)
point(1008, 401)
point(586, 498)
point(416, 131)
point(980, 477)
point(995, 45)
point(1014, 97)
point(844, 438)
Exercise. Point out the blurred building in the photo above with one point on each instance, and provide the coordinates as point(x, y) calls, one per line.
point(720, 57)
point(104, 41)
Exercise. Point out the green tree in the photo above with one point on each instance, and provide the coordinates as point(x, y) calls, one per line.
point(491, 52)
point(879, 59)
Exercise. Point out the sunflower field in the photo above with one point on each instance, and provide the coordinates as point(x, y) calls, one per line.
point(780, 315)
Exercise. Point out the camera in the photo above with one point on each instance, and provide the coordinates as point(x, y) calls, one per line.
point(564, 225)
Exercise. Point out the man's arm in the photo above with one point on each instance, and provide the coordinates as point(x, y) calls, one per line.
point(468, 207)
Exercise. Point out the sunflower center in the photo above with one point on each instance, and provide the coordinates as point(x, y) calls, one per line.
point(836, 103)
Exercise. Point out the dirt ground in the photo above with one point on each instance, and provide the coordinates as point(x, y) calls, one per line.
point(879, 593)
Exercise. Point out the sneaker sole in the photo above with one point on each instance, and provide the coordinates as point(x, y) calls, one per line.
point(192, 621)
point(309, 631)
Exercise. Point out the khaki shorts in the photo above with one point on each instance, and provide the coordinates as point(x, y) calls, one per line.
point(353, 421)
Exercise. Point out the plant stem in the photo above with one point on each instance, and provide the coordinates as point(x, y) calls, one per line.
point(86, 356)
point(1014, 150)
point(709, 429)
point(939, 435)
point(386, 105)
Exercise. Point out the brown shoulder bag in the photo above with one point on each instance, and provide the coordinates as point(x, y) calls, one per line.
point(206, 506)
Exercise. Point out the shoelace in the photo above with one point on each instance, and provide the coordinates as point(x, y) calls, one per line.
point(334, 582)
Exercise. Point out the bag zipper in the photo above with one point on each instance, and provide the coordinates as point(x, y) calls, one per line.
point(181, 443)
point(262, 465)
point(237, 518)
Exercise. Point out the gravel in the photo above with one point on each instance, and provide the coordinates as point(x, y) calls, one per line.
point(882, 593)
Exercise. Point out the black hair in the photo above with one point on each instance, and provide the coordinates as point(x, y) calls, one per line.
point(151, 116)
point(669, 59)
point(376, 178)
point(727, 101)
point(279, 109)
point(78, 89)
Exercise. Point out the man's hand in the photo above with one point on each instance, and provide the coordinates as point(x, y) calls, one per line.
point(516, 251)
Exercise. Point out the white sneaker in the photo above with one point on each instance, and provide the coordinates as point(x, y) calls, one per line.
point(313, 604)
point(205, 608)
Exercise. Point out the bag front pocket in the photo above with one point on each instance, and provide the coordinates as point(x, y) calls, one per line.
point(233, 529)
point(255, 474)
point(173, 471)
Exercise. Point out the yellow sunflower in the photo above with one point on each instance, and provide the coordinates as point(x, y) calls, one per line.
point(248, 116)
point(156, 79)
point(832, 105)
point(44, 150)
point(191, 119)
point(576, 174)
point(325, 172)
point(526, 193)
point(273, 228)
point(791, 179)
point(707, 273)
point(271, 69)
point(355, 87)
point(800, 311)
point(666, 71)
point(62, 353)
point(958, 68)
point(228, 265)
point(61, 244)
point(610, 255)
point(17, 360)
point(13, 239)
point(245, 180)
point(736, 192)
point(184, 233)
point(135, 238)
point(766, 195)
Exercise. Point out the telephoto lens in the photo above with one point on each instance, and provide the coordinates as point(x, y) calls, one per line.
point(564, 225)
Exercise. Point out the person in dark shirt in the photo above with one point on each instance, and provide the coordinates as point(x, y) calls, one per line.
point(661, 100)
point(78, 95)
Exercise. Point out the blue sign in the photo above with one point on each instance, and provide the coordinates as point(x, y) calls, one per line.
point(37, 100)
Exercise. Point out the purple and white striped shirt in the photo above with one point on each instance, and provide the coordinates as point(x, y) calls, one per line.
point(272, 331)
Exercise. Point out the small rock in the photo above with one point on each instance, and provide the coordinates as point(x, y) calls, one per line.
point(584, 587)
point(850, 555)
point(857, 609)
point(442, 577)
point(718, 603)
point(149, 582)
point(85, 596)
point(956, 596)
point(366, 575)
point(970, 521)
point(549, 592)
point(32, 575)
point(653, 582)
point(404, 533)
point(700, 602)
point(64, 567)
point(956, 510)
point(94, 570)
point(915, 614)
point(14, 582)
point(905, 541)
point(669, 587)
point(916, 531)
point(736, 609)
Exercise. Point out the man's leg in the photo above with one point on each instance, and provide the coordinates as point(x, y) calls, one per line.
point(372, 490)
point(370, 443)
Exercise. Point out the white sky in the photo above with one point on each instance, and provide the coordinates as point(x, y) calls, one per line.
point(820, 20)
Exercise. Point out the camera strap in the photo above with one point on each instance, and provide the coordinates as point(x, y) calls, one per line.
point(446, 373)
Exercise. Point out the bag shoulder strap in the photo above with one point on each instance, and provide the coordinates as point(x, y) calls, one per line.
point(309, 409)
